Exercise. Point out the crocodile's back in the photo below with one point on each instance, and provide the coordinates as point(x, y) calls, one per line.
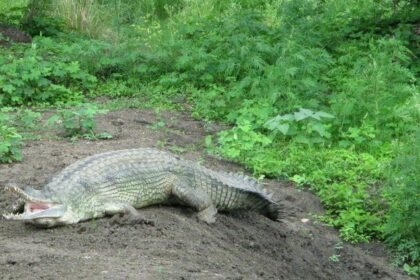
point(138, 176)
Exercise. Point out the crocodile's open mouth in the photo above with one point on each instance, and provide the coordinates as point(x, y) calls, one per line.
point(36, 210)
point(33, 206)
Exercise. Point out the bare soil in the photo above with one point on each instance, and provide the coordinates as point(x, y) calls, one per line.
point(12, 34)
point(176, 245)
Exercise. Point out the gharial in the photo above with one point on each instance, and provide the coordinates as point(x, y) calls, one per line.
point(120, 181)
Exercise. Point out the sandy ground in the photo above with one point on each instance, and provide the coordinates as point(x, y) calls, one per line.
point(177, 245)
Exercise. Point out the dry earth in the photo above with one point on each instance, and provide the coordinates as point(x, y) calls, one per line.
point(177, 245)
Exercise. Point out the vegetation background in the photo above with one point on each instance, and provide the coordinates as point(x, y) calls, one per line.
point(321, 92)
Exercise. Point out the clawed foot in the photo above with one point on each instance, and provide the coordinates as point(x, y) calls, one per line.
point(208, 215)
point(134, 219)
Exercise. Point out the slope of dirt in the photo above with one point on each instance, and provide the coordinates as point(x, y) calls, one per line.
point(176, 246)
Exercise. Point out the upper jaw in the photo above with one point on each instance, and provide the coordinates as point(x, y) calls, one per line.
point(28, 194)
point(35, 205)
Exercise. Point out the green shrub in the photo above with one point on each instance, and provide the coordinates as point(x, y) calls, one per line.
point(31, 79)
point(11, 12)
point(27, 119)
point(10, 142)
point(403, 194)
point(255, 69)
point(78, 122)
point(346, 182)
point(304, 126)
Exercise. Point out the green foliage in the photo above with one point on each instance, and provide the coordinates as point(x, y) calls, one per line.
point(78, 122)
point(255, 65)
point(10, 141)
point(101, 59)
point(304, 126)
point(241, 140)
point(27, 119)
point(32, 79)
point(346, 182)
point(40, 25)
point(366, 78)
point(11, 12)
point(243, 67)
point(403, 193)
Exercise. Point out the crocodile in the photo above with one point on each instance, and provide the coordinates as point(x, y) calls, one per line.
point(122, 181)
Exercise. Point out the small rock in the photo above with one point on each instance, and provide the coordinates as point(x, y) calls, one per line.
point(81, 229)
point(141, 120)
point(12, 262)
point(117, 122)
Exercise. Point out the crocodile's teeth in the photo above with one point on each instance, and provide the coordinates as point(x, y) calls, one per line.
point(17, 191)
point(10, 216)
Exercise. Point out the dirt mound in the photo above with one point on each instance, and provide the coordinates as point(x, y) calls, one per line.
point(176, 245)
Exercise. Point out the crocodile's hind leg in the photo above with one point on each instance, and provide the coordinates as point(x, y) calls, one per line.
point(196, 199)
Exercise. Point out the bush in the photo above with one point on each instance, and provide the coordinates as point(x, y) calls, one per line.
point(78, 122)
point(402, 229)
point(10, 142)
point(32, 79)
point(346, 182)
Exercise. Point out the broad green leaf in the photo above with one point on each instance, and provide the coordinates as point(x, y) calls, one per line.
point(320, 128)
point(53, 119)
point(324, 115)
point(302, 114)
point(283, 128)
point(9, 88)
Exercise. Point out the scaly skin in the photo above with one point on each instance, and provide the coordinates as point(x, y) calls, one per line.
point(119, 181)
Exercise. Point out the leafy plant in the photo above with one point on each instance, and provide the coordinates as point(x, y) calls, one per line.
point(241, 140)
point(27, 119)
point(403, 193)
point(30, 79)
point(78, 122)
point(346, 182)
point(304, 126)
point(10, 142)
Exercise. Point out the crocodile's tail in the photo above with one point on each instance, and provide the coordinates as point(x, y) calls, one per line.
point(274, 211)
point(256, 197)
point(261, 201)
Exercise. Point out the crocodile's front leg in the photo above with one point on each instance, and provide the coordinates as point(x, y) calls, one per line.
point(195, 198)
point(110, 208)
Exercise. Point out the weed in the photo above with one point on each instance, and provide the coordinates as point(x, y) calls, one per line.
point(10, 142)
point(403, 193)
point(178, 150)
point(79, 122)
point(336, 256)
point(160, 144)
point(304, 126)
